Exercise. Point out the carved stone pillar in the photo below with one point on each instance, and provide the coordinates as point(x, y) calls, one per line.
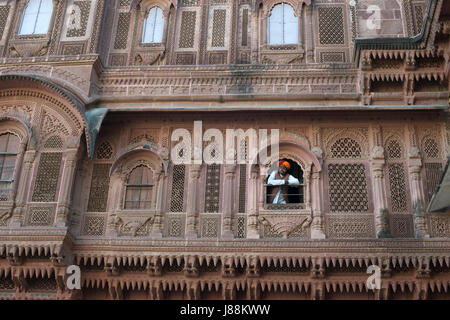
point(65, 192)
point(382, 225)
point(309, 34)
point(228, 191)
point(158, 222)
point(191, 202)
point(23, 188)
point(255, 35)
point(252, 218)
point(119, 180)
point(417, 199)
point(317, 231)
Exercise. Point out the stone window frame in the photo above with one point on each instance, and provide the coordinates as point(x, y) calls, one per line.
point(18, 21)
point(140, 17)
point(10, 127)
point(303, 183)
point(298, 11)
point(125, 186)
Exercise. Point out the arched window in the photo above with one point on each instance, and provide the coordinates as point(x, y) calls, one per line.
point(139, 189)
point(282, 25)
point(36, 17)
point(153, 26)
point(9, 149)
point(285, 187)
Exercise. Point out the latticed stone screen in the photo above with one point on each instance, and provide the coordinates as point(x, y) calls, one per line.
point(353, 226)
point(187, 31)
point(240, 227)
point(418, 14)
point(98, 195)
point(210, 227)
point(123, 26)
point(433, 172)
point(94, 225)
point(402, 225)
point(177, 196)
point(431, 148)
point(7, 284)
point(81, 16)
point(4, 12)
point(212, 191)
point(41, 284)
point(440, 226)
point(244, 39)
point(332, 57)
point(242, 187)
point(394, 150)
point(40, 216)
point(175, 227)
point(218, 31)
point(54, 142)
point(104, 151)
point(397, 187)
point(331, 26)
point(47, 177)
point(348, 188)
point(346, 148)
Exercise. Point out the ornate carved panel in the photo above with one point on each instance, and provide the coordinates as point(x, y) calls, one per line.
point(348, 188)
point(350, 226)
point(212, 191)
point(94, 225)
point(123, 27)
point(40, 216)
point(98, 194)
point(177, 194)
point(47, 177)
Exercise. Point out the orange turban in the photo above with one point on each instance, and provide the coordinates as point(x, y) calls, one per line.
point(285, 163)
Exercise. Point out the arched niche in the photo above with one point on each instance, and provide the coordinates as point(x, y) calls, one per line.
point(61, 105)
point(125, 162)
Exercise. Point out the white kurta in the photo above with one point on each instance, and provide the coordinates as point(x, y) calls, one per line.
point(279, 199)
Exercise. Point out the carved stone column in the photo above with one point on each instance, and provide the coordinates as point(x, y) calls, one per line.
point(158, 222)
point(382, 225)
point(65, 192)
point(191, 202)
point(252, 218)
point(309, 34)
point(23, 188)
point(114, 221)
point(317, 231)
point(417, 194)
point(228, 191)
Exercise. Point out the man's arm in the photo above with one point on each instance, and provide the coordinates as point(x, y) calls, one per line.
point(293, 180)
point(274, 182)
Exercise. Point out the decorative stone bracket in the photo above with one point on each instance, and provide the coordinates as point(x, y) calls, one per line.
point(285, 224)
